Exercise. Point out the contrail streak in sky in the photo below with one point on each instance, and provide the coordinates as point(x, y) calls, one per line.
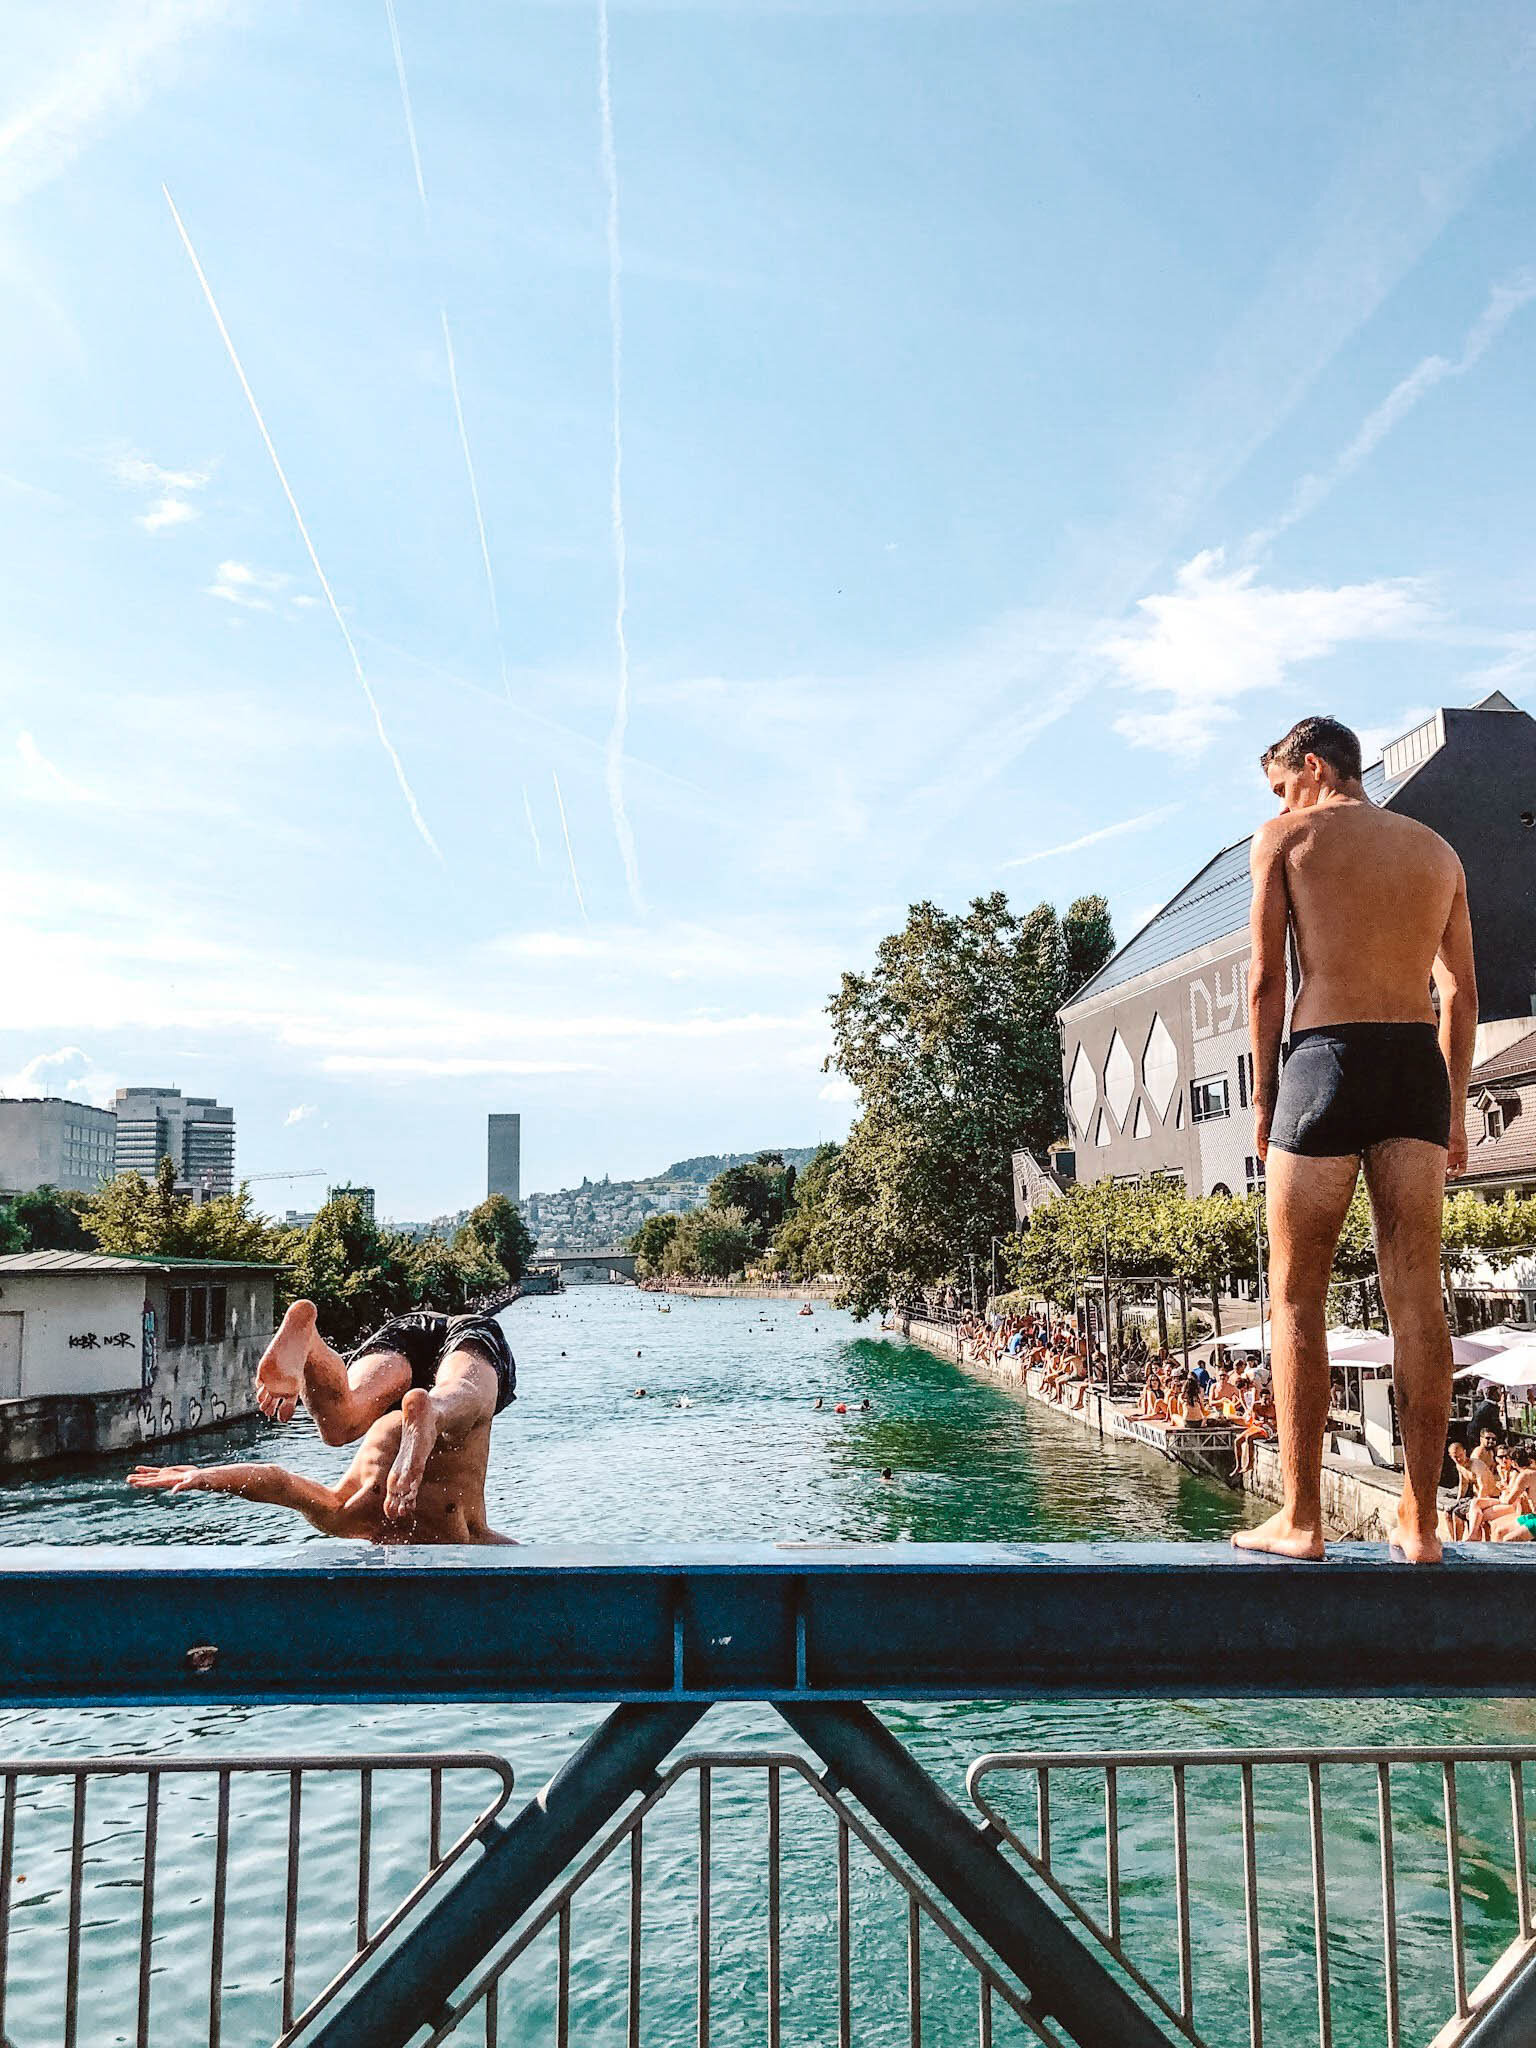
point(533, 830)
point(565, 828)
point(298, 519)
point(453, 368)
point(619, 730)
point(405, 101)
point(474, 492)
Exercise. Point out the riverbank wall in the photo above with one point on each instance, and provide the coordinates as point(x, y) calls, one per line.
point(752, 1290)
point(1359, 1502)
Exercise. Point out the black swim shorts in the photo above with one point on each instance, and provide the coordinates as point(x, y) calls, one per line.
point(425, 1337)
point(1346, 1087)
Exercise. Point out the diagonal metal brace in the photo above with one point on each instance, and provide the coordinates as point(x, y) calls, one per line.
point(412, 1986)
point(1066, 1981)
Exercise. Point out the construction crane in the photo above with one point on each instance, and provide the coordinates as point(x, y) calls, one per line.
point(303, 1173)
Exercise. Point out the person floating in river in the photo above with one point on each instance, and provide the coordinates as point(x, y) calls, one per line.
point(420, 1393)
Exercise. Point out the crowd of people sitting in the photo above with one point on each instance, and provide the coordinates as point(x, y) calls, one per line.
point(1495, 1492)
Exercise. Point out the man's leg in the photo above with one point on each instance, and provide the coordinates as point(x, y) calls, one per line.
point(344, 1400)
point(462, 1399)
point(1406, 1181)
point(1305, 1204)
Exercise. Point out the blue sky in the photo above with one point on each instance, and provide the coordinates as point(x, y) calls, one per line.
point(1026, 411)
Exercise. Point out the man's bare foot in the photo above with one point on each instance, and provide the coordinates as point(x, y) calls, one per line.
point(280, 1375)
point(418, 1436)
point(1281, 1537)
point(1414, 1546)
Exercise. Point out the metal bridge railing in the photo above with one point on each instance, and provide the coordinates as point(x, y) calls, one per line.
point(70, 1951)
point(1246, 1793)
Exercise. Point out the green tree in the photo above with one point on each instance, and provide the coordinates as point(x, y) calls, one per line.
point(951, 1041)
point(356, 1275)
point(799, 1248)
point(150, 1219)
point(52, 1220)
point(649, 1244)
point(709, 1244)
point(760, 1190)
point(13, 1238)
point(494, 1231)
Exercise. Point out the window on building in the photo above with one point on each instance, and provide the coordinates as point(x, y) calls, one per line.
point(1209, 1099)
point(1244, 1079)
point(1253, 1173)
point(176, 1318)
point(218, 1314)
point(196, 1315)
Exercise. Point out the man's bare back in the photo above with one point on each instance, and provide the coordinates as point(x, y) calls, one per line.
point(449, 1505)
point(1370, 896)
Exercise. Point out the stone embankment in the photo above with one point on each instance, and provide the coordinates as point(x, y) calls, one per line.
point(751, 1290)
point(1359, 1502)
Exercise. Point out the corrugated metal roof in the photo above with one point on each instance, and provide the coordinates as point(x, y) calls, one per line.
point(1212, 905)
point(115, 1262)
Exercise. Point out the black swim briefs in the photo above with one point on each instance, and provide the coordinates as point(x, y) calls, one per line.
point(1346, 1087)
point(425, 1337)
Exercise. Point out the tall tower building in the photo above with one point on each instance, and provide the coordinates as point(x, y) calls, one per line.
point(504, 1155)
point(193, 1131)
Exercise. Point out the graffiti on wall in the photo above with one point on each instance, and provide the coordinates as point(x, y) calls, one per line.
point(1220, 1004)
point(147, 1356)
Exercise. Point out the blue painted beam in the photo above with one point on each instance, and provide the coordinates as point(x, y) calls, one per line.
point(322, 1621)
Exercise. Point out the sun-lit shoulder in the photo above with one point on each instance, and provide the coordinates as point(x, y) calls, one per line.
point(1269, 840)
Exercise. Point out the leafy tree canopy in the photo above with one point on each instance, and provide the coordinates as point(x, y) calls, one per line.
point(495, 1231)
point(951, 1040)
point(51, 1220)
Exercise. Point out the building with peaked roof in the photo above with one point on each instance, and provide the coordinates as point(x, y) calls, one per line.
point(1156, 1052)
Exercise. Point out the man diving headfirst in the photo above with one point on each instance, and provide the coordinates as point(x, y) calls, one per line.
point(421, 1393)
point(1377, 906)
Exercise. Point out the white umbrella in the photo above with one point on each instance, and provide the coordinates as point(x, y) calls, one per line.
point(1512, 1365)
point(1377, 1350)
point(1342, 1342)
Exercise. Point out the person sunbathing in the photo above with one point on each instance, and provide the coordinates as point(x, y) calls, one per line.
point(445, 1505)
point(1258, 1426)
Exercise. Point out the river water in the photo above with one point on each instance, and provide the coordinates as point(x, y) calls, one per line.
point(728, 1444)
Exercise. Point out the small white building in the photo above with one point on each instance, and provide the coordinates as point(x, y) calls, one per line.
point(101, 1353)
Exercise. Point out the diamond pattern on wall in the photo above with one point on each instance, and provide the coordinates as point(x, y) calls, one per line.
point(1119, 1078)
point(1101, 1131)
point(1160, 1066)
point(1082, 1090)
point(1143, 1121)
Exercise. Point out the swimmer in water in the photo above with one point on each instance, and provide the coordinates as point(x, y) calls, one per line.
point(885, 1472)
point(817, 1402)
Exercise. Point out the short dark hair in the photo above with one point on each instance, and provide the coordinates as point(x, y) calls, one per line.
point(1325, 737)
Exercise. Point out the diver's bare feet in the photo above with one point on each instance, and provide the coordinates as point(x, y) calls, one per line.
point(418, 1435)
point(280, 1375)
point(1414, 1546)
point(1280, 1536)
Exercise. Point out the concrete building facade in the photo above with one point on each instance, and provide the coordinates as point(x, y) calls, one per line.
point(504, 1155)
point(101, 1354)
point(51, 1141)
point(1156, 1052)
point(365, 1196)
point(193, 1131)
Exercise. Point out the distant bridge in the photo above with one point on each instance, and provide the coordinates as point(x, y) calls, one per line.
point(580, 1269)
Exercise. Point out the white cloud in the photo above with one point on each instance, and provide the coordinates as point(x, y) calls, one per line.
point(838, 1089)
point(1025, 860)
point(44, 779)
point(171, 504)
point(298, 1113)
point(69, 1071)
point(1220, 634)
point(73, 70)
point(458, 1069)
point(253, 589)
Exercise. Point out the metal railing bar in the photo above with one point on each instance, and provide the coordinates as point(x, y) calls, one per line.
point(1251, 1912)
point(1453, 1880)
point(473, 1833)
point(774, 1954)
point(1388, 1902)
point(984, 2018)
point(915, 1975)
point(1522, 1862)
point(205, 1764)
point(1181, 1896)
point(844, 1942)
point(563, 1990)
point(220, 1896)
point(1112, 1848)
point(7, 1857)
point(1043, 1815)
point(364, 1853)
point(1320, 1905)
point(76, 1868)
point(435, 1820)
point(705, 1846)
point(1193, 1759)
point(636, 1903)
point(291, 1895)
point(146, 1907)
point(491, 2016)
point(1016, 2000)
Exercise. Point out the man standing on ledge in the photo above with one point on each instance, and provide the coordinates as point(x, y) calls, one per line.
point(1378, 907)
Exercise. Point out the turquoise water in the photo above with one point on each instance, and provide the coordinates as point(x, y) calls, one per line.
point(580, 1458)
